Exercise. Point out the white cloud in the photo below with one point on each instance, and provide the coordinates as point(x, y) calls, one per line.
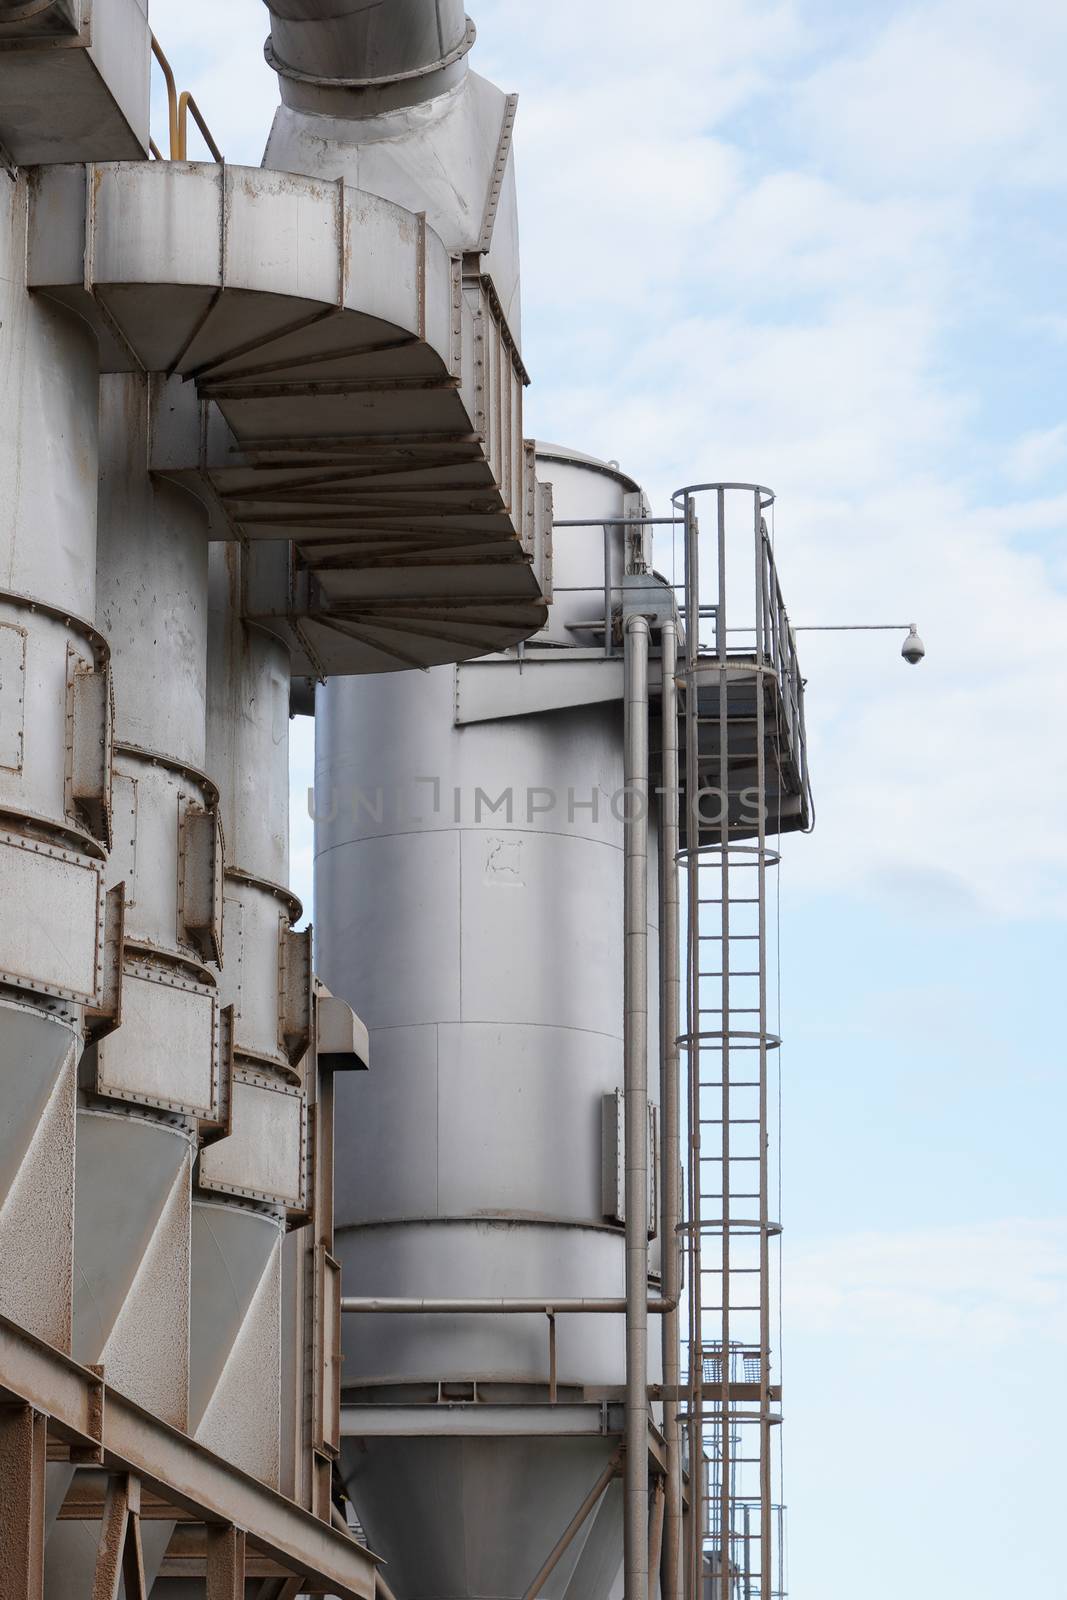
point(743, 254)
point(982, 1287)
point(946, 95)
point(1038, 453)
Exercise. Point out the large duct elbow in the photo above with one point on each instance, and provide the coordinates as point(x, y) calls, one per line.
point(362, 57)
point(378, 93)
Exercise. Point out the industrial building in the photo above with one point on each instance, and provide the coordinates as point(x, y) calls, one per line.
point(437, 1260)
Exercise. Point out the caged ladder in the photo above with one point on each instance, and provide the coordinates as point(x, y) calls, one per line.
point(744, 780)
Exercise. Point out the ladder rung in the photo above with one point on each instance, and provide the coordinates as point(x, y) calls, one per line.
point(735, 1083)
point(731, 1011)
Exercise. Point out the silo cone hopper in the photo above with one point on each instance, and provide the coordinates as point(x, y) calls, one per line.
point(481, 1516)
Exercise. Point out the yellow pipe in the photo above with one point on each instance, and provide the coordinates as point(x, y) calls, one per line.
point(172, 96)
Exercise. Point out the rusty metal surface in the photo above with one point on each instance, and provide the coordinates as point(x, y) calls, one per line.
point(38, 1066)
point(74, 81)
point(131, 1256)
point(23, 1457)
point(165, 1052)
point(57, 890)
point(177, 1468)
point(264, 1157)
point(242, 1419)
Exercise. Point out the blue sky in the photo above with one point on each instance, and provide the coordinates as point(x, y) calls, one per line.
point(821, 244)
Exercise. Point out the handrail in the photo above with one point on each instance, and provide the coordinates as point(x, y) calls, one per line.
point(172, 94)
point(187, 104)
point(179, 109)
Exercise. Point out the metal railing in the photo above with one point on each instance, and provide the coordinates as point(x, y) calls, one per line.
point(180, 107)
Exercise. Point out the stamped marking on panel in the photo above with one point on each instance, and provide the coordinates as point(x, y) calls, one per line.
point(503, 863)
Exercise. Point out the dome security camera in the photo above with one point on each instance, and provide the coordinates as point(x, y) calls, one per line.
point(913, 648)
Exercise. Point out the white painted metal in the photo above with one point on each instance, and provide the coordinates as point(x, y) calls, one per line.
point(74, 80)
point(53, 827)
point(260, 359)
point(449, 156)
point(343, 353)
point(368, 54)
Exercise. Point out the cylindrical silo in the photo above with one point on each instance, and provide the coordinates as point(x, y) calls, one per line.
point(54, 774)
point(144, 1085)
point(469, 903)
point(249, 1178)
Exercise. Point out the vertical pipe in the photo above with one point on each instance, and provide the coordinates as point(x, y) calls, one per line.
point(669, 1107)
point(607, 589)
point(655, 1535)
point(635, 1036)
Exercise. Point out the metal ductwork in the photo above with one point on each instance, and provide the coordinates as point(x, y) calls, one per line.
point(385, 54)
point(264, 426)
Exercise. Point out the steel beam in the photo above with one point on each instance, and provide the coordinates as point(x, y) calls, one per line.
point(480, 1420)
point(225, 1563)
point(23, 1456)
point(176, 1467)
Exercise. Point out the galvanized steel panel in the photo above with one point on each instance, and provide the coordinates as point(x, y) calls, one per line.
point(164, 1054)
point(538, 940)
point(242, 1420)
point(131, 1256)
point(387, 1166)
point(232, 1249)
point(284, 235)
point(157, 223)
point(264, 1155)
point(38, 1064)
point(488, 1511)
point(476, 1257)
point(52, 943)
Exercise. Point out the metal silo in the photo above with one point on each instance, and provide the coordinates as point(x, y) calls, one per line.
point(264, 448)
point(480, 812)
point(54, 775)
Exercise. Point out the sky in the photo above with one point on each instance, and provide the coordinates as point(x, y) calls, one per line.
point(821, 244)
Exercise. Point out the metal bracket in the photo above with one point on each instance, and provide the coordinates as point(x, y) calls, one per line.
point(92, 1454)
point(200, 864)
point(90, 733)
point(211, 1130)
point(106, 1015)
point(294, 991)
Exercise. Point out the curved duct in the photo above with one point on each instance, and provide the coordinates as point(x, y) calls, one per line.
point(379, 95)
point(400, 50)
